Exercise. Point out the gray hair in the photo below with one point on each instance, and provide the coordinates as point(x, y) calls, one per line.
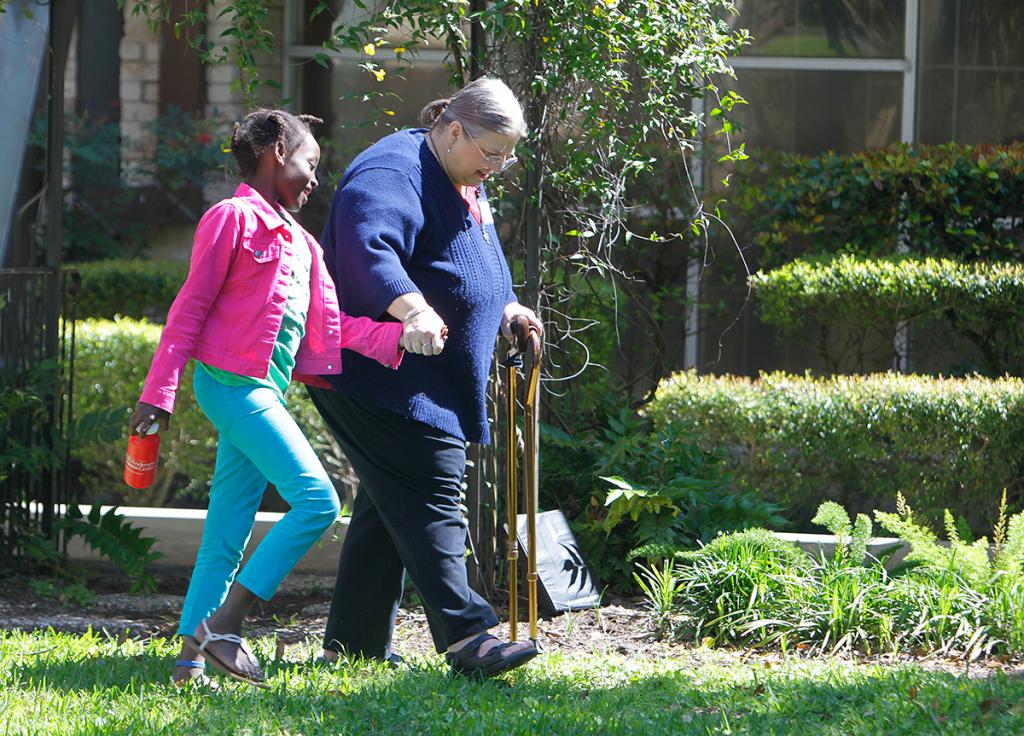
point(485, 105)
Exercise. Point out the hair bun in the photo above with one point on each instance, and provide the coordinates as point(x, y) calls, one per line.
point(432, 111)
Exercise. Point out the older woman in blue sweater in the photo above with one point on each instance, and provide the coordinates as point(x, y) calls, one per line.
point(411, 236)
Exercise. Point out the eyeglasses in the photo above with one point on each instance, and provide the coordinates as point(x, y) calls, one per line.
point(496, 162)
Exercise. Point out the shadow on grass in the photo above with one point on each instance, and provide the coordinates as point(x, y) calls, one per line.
point(596, 696)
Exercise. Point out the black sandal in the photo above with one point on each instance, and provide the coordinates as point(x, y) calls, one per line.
point(466, 662)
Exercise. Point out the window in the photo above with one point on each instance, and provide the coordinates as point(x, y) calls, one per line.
point(809, 111)
point(824, 28)
point(971, 71)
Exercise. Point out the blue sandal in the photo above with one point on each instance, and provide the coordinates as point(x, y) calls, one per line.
point(466, 662)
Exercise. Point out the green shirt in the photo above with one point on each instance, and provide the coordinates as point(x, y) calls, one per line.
point(293, 326)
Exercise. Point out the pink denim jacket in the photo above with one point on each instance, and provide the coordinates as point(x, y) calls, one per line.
point(229, 309)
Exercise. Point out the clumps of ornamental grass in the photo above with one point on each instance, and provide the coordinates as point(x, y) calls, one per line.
point(961, 597)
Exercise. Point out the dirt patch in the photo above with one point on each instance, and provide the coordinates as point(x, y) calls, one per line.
point(298, 614)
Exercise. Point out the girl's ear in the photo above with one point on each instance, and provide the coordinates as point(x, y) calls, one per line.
point(280, 153)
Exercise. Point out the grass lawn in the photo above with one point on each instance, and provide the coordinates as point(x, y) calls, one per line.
point(92, 684)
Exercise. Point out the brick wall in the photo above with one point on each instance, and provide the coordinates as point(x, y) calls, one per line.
point(140, 91)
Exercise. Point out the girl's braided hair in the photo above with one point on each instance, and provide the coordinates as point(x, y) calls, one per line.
point(262, 129)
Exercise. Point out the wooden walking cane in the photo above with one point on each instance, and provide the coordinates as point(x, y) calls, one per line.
point(527, 343)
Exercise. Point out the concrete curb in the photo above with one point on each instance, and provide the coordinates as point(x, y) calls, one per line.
point(178, 531)
point(816, 544)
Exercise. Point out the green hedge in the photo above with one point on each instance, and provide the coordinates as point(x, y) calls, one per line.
point(858, 440)
point(979, 302)
point(111, 362)
point(955, 200)
point(129, 288)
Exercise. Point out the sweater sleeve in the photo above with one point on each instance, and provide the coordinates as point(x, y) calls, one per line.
point(216, 239)
point(376, 218)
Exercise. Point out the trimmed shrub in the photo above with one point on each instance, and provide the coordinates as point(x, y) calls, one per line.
point(979, 302)
point(955, 200)
point(111, 362)
point(858, 440)
point(139, 289)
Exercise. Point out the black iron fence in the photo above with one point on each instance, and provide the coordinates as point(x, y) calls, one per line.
point(37, 348)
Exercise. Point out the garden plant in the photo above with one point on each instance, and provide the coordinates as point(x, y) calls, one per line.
point(753, 589)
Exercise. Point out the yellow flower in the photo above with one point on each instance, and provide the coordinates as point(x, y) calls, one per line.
point(369, 49)
point(399, 49)
point(379, 73)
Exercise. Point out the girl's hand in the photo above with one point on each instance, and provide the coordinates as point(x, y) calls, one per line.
point(514, 311)
point(424, 332)
point(144, 416)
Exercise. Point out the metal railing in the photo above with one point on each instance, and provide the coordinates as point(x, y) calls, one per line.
point(37, 349)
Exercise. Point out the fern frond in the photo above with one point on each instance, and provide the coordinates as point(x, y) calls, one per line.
point(859, 539)
point(833, 517)
point(116, 539)
point(1010, 556)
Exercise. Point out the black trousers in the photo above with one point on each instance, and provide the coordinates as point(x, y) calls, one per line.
point(406, 517)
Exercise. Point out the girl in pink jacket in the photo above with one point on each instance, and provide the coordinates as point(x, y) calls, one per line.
point(257, 307)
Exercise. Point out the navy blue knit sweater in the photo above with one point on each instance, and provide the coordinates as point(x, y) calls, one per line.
point(398, 225)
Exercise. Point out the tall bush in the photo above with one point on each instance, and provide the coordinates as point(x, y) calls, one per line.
point(954, 200)
point(858, 440)
point(137, 288)
point(862, 298)
point(104, 214)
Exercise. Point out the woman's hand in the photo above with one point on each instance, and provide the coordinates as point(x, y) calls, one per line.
point(144, 416)
point(512, 312)
point(423, 332)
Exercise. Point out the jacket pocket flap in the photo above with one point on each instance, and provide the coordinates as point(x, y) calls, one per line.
point(262, 249)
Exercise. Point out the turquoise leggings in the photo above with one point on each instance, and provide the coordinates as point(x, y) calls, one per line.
point(259, 442)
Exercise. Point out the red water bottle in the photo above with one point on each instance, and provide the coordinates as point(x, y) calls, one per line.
point(140, 463)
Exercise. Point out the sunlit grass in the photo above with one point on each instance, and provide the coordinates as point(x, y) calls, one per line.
point(65, 684)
